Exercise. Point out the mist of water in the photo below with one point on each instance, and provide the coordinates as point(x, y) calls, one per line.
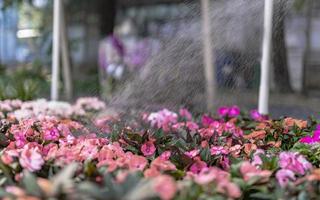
point(175, 77)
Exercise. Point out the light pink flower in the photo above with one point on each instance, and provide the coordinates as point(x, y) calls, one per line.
point(206, 176)
point(31, 158)
point(165, 187)
point(284, 176)
point(197, 166)
point(294, 162)
point(148, 148)
point(192, 126)
point(185, 114)
point(249, 171)
point(218, 150)
point(163, 119)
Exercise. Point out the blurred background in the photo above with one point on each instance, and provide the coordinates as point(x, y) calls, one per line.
point(148, 53)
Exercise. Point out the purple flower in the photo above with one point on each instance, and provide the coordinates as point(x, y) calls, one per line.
point(284, 176)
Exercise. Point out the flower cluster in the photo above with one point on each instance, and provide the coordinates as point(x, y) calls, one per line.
point(166, 154)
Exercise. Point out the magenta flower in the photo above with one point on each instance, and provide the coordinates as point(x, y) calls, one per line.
point(284, 176)
point(31, 158)
point(206, 120)
point(234, 111)
point(223, 111)
point(254, 114)
point(294, 162)
point(148, 148)
point(311, 139)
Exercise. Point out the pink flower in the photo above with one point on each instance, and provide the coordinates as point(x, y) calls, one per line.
point(165, 187)
point(223, 111)
point(193, 153)
point(192, 126)
point(206, 120)
point(256, 160)
point(148, 148)
point(218, 150)
point(185, 114)
point(249, 171)
point(198, 166)
point(230, 189)
point(20, 139)
point(234, 111)
point(51, 134)
point(225, 162)
point(137, 163)
point(206, 133)
point(284, 176)
point(206, 175)
point(294, 162)
point(163, 119)
point(165, 155)
point(31, 158)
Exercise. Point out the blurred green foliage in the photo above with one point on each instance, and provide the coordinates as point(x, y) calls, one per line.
point(23, 82)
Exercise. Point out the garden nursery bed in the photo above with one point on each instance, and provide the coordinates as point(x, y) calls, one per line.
point(56, 150)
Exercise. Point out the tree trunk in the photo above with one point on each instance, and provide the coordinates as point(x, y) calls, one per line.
point(107, 15)
point(280, 63)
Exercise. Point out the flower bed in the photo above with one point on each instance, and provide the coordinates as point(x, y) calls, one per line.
point(61, 151)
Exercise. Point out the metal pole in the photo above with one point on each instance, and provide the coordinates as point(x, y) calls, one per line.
point(208, 57)
point(55, 51)
point(263, 106)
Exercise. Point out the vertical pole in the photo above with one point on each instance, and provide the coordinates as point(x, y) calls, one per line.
point(55, 51)
point(65, 55)
point(263, 106)
point(208, 57)
point(307, 49)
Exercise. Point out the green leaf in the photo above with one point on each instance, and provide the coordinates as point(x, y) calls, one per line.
point(30, 184)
